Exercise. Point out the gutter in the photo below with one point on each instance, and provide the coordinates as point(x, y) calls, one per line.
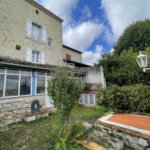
point(30, 67)
point(23, 66)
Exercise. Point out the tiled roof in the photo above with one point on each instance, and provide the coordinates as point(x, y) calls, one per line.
point(24, 63)
point(40, 7)
point(89, 92)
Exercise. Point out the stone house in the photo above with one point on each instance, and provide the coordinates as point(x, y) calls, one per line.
point(30, 46)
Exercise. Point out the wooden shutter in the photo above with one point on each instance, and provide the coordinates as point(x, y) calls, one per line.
point(29, 55)
point(42, 58)
point(28, 30)
point(43, 34)
point(68, 57)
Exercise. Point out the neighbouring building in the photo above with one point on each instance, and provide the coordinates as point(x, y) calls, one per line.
point(73, 57)
point(30, 46)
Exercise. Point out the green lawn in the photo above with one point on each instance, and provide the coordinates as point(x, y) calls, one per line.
point(30, 135)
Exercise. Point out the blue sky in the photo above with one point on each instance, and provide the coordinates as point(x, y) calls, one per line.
point(94, 26)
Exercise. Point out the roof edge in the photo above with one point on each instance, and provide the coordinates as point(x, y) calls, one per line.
point(37, 5)
point(72, 49)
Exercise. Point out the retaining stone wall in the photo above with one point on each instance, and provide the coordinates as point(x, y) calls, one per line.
point(134, 142)
point(12, 110)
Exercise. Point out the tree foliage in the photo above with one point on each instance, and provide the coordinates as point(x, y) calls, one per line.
point(133, 98)
point(136, 35)
point(64, 92)
point(123, 69)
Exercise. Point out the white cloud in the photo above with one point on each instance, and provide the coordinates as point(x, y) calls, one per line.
point(79, 35)
point(90, 57)
point(86, 11)
point(82, 35)
point(122, 13)
point(61, 8)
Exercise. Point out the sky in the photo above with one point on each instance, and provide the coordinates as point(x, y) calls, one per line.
point(94, 26)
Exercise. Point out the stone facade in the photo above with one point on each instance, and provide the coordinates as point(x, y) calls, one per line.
point(12, 26)
point(12, 110)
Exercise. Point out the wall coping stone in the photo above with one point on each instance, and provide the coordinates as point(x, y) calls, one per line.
point(15, 97)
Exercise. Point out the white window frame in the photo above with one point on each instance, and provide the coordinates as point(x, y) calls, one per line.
point(36, 82)
point(35, 57)
point(5, 75)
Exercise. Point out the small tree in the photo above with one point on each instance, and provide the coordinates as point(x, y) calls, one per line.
point(64, 92)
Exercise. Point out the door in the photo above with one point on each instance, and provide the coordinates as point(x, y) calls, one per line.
point(48, 99)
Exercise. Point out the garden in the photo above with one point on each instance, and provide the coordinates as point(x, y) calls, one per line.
point(64, 129)
point(27, 136)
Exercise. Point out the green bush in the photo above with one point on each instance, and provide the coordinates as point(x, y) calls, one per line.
point(133, 98)
point(72, 134)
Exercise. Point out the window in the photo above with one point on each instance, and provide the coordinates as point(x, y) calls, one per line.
point(35, 57)
point(49, 42)
point(2, 77)
point(68, 57)
point(36, 32)
point(37, 12)
point(14, 82)
point(40, 83)
point(25, 82)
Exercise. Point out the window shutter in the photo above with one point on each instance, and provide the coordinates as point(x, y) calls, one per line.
point(42, 58)
point(29, 55)
point(28, 29)
point(68, 57)
point(43, 34)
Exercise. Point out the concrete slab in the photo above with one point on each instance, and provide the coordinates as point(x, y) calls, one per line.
point(128, 121)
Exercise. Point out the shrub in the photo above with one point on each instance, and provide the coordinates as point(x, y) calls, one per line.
point(72, 134)
point(133, 98)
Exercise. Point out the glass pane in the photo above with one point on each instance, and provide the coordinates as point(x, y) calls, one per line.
point(2, 70)
point(40, 84)
point(143, 59)
point(33, 56)
point(37, 57)
point(139, 61)
point(1, 84)
point(49, 42)
point(41, 73)
point(12, 71)
point(26, 72)
point(48, 73)
point(25, 85)
point(12, 85)
point(38, 34)
point(33, 32)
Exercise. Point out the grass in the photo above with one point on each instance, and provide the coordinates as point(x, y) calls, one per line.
point(70, 147)
point(26, 136)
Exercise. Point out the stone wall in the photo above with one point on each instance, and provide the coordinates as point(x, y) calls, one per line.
point(13, 109)
point(93, 86)
point(94, 77)
point(12, 26)
point(130, 139)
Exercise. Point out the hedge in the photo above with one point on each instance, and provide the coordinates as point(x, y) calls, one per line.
point(133, 98)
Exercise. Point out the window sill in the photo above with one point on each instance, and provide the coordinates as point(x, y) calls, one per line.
point(20, 96)
point(36, 41)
